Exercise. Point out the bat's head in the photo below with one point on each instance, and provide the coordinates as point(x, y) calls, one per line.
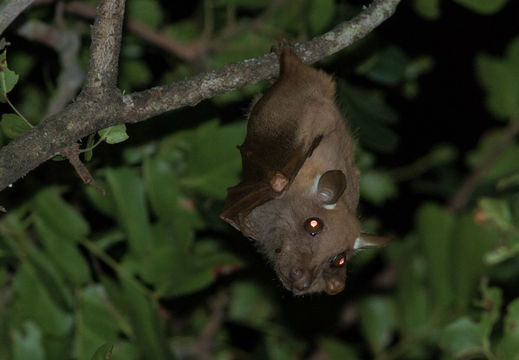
point(309, 237)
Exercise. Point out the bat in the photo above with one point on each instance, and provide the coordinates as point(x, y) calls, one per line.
point(300, 189)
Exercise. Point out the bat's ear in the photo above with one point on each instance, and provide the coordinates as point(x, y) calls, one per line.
point(330, 187)
point(367, 241)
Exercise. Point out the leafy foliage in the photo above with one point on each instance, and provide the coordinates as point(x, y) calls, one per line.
point(148, 271)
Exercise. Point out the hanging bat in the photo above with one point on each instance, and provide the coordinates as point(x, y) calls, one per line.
point(300, 187)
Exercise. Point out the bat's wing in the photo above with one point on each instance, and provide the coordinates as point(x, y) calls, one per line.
point(264, 179)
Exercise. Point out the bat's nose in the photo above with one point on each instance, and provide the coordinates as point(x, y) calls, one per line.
point(300, 278)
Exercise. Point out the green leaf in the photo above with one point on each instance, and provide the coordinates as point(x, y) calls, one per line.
point(40, 265)
point(8, 78)
point(175, 272)
point(377, 321)
point(491, 304)
point(251, 305)
point(13, 125)
point(114, 134)
point(485, 7)
point(497, 211)
point(104, 352)
point(387, 67)
point(435, 227)
point(505, 164)
point(63, 253)
point(321, 13)
point(148, 331)
point(368, 112)
point(49, 275)
point(90, 143)
point(502, 253)
point(377, 187)
point(508, 347)
point(471, 244)
point(209, 157)
point(461, 338)
point(59, 215)
point(148, 12)
point(103, 203)
point(95, 322)
point(27, 343)
point(33, 302)
point(412, 298)
point(429, 9)
point(501, 85)
point(127, 190)
point(164, 194)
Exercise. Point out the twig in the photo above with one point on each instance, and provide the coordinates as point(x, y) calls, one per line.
point(66, 43)
point(187, 52)
point(461, 196)
point(72, 154)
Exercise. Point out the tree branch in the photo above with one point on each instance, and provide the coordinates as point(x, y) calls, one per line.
point(103, 64)
point(10, 9)
point(100, 104)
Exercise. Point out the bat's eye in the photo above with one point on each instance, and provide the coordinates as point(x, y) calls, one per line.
point(339, 260)
point(313, 226)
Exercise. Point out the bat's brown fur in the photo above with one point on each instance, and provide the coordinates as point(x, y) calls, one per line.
point(298, 164)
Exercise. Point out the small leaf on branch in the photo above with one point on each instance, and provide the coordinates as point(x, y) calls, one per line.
point(114, 134)
point(8, 78)
point(13, 125)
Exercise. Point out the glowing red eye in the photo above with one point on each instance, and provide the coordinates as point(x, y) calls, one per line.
point(313, 226)
point(339, 260)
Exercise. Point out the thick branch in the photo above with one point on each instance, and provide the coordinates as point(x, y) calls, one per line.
point(10, 9)
point(92, 112)
point(106, 45)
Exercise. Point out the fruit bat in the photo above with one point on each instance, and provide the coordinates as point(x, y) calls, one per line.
point(300, 187)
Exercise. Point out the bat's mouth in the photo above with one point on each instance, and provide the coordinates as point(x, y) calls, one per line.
point(296, 287)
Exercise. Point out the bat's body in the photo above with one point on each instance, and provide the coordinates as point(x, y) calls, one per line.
point(300, 187)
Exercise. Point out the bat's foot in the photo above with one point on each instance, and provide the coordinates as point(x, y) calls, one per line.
point(280, 46)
